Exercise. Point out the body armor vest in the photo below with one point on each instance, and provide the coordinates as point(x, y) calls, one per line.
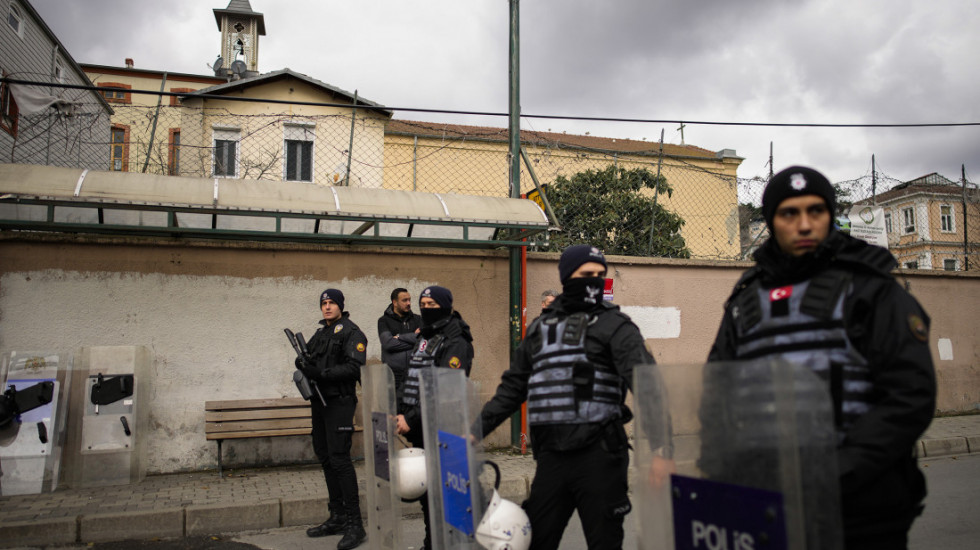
point(565, 387)
point(424, 356)
point(804, 324)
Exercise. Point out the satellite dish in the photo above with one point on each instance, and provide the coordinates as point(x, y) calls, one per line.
point(238, 67)
point(218, 63)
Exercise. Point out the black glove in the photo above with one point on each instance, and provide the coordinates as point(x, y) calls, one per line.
point(308, 370)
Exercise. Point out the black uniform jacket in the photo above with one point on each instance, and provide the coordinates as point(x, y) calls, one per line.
point(456, 352)
point(338, 352)
point(395, 352)
point(613, 339)
point(879, 477)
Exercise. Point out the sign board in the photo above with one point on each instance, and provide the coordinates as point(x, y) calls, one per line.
point(710, 515)
point(868, 224)
point(455, 477)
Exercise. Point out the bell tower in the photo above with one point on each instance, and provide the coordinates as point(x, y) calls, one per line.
point(240, 31)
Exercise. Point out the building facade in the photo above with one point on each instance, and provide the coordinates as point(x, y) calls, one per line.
point(932, 223)
point(42, 124)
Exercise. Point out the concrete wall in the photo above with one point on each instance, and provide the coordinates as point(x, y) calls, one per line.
point(212, 314)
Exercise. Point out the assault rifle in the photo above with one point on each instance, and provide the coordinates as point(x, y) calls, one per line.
point(305, 386)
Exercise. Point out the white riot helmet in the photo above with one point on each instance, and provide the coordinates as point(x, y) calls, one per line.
point(410, 463)
point(505, 525)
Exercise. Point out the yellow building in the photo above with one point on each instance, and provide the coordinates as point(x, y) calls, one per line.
point(449, 158)
point(924, 219)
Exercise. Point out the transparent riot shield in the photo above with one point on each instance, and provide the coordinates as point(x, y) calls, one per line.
point(752, 449)
point(450, 406)
point(379, 409)
point(36, 387)
point(110, 416)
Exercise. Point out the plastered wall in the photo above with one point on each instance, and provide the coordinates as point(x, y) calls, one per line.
point(213, 315)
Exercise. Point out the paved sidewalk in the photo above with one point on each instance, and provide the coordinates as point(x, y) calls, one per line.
point(201, 503)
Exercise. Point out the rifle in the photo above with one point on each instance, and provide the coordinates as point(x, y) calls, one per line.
point(305, 386)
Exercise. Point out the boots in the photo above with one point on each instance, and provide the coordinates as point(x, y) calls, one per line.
point(333, 526)
point(354, 534)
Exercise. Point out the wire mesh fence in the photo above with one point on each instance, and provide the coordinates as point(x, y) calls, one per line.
point(628, 197)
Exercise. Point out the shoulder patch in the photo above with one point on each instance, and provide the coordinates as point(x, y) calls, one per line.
point(338, 328)
point(454, 362)
point(360, 346)
point(918, 328)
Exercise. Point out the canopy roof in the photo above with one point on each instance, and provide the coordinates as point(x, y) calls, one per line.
point(48, 198)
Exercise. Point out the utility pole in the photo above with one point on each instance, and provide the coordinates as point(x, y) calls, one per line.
point(966, 243)
point(514, 157)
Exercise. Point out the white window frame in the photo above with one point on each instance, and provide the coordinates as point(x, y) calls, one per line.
point(908, 215)
point(59, 71)
point(226, 134)
point(17, 13)
point(298, 131)
point(956, 266)
point(943, 219)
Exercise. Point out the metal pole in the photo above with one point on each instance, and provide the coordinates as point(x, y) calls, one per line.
point(515, 192)
point(415, 163)
point(153, 130)
point(966, 246)
point(350, 148)
point(874, 182)
point(656, 193)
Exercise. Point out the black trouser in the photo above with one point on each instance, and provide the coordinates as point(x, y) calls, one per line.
point(592, 480)
point(333, 427)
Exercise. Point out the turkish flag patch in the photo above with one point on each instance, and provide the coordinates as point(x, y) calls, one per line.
point(779, 301)
point(780, 293)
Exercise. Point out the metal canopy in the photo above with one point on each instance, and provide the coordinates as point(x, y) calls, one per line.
point(68, 200)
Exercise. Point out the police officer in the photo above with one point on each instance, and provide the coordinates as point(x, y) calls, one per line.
point(823, 299)
point(336, 353)
point(573, 368)
point(398, 330)
point(444, 341)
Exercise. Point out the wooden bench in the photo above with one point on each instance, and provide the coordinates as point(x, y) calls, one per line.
point(247, 418)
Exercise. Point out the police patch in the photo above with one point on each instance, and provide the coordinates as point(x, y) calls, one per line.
point(360, 346)
point(338, 328)
point(454, 362)
point(918, 328)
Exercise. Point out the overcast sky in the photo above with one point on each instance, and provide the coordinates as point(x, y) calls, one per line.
point(760, 61)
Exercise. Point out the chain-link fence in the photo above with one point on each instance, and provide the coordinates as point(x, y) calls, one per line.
point(627, 197)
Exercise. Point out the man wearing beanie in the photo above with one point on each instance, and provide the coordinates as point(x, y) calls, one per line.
point(444, 342)
point(573, 369)
point(820, 298)
point(337, 351)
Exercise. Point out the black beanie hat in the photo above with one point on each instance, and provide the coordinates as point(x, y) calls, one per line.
point(796, 181)
point(576, 255)
point(335, 295)
point(440, 294)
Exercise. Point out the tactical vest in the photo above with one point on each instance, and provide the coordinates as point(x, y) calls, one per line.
point(424, 356)
point(565, 387)
point(804, 324)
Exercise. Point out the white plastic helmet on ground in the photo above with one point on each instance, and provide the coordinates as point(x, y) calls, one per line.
point(505, 525)
point(410, 463)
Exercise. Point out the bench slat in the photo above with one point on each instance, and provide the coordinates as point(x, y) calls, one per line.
point(291, 412)
point(274, 403)
point(258, 425)
point(269, 433)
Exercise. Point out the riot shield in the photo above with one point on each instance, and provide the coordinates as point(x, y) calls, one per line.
point(379, 409)
point(753, 447)
point(456, 504)
point(31, 443)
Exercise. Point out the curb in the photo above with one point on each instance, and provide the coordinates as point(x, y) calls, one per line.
point(194, 519)
point(932, 448)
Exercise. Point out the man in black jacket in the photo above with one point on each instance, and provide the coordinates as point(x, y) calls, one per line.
point(820, 298)
point(573, 368)
point(337, 351)
point(445, 342)
point(398, 331)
